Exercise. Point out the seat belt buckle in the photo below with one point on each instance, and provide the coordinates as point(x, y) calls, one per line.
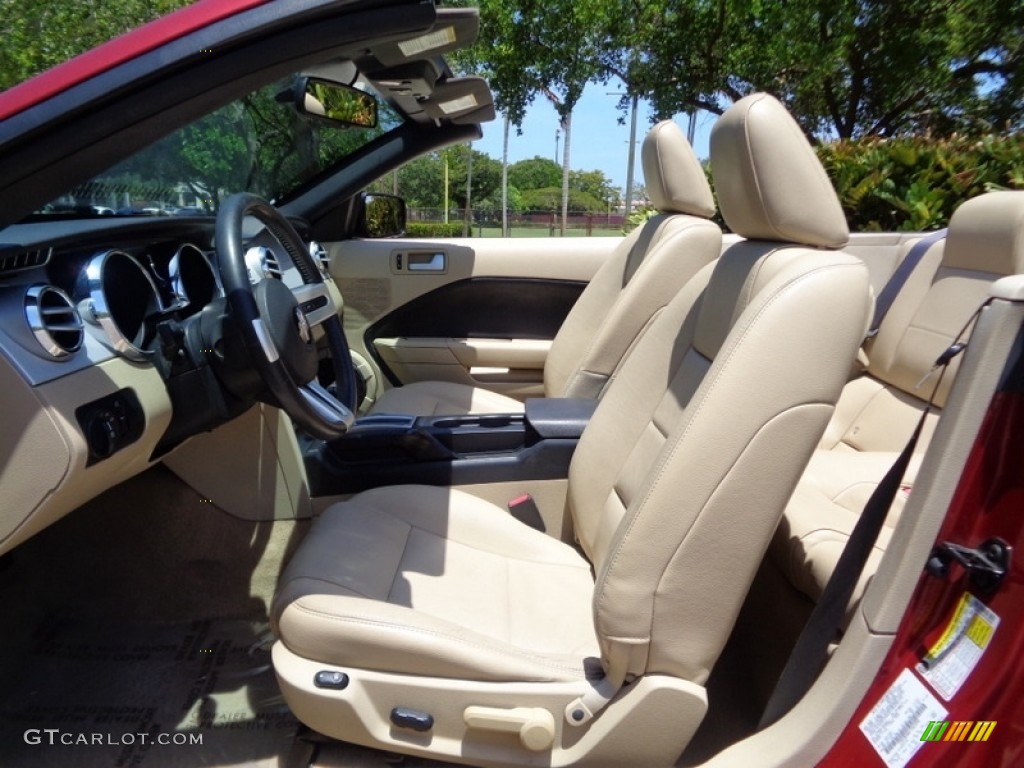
point(524, 509)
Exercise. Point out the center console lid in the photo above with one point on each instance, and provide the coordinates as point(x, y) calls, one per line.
point(555, 417)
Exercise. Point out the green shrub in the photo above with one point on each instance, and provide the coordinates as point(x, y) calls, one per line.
point(916, 183)
point(637, 217)
point(434, 229)
point(550, 199)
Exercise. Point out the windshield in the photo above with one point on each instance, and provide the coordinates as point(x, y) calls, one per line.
point(259, 144)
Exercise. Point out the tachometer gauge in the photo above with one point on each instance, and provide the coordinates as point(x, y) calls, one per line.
point(121, 297)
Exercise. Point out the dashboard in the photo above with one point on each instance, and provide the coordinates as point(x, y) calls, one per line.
point(105, 363)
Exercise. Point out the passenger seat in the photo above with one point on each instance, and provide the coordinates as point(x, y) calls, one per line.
point(877, 412)
point(642, 275)
point(464, 634)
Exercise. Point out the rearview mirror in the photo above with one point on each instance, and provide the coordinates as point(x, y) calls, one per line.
point(382, 216)
point(334, 102)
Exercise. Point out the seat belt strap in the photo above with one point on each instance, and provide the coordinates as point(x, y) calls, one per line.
point(899, 278)
point(811, 650)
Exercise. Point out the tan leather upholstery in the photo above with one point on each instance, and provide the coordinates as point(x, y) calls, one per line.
point(674, 491)
point(876, 413)
point(425, 580)
point(434, 398)
point(643, 273)
point(772, 186)
point(671, 171)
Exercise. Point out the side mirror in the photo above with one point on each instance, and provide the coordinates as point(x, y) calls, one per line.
point(334, 102)
point(381, 216)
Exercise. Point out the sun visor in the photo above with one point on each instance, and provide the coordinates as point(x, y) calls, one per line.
point(461, 100)
point(415, 79)
point(455, 28)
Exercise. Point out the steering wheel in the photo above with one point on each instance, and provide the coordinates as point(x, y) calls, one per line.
point(276, 323)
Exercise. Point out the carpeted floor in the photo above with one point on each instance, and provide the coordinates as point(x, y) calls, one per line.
point(152, 695)
point(145, 612)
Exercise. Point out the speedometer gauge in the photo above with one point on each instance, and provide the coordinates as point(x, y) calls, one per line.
point(193, 279)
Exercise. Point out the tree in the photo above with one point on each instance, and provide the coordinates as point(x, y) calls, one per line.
point(540, 47)
point(549, 199)
point(421, 181)
point(849, 68)
point(39, 34)
point(594, 184)
point(535, 173)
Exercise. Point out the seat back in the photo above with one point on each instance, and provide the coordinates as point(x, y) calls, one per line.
point(643, 273)
point(683, 472)
point(877, 412)
point(950, 283)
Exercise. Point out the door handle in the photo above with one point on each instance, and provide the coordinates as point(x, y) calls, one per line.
point(430, 261)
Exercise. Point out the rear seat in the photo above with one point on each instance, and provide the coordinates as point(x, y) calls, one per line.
point(877, 411)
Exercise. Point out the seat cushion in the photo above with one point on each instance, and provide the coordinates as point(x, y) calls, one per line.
point(444, 398)
point(825, 508)
point(431, 581)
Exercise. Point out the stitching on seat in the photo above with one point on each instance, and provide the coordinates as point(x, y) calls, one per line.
point(401, 559)
point(726, 357)
point(852, 422)
point(479, 549)
point(324, 581)
point(512, 651)
point(508, 601)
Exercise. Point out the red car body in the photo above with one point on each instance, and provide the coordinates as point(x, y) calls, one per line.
point(117, 51)
point(989, 503)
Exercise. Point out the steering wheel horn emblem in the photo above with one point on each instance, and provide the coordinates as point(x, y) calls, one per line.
point(303, 324)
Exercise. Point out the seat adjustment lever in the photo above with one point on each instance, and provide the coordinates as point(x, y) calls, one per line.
point(535, 726)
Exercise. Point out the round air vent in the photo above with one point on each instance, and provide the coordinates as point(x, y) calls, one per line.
point(319, 254)
point(262, 264)
point(53, 320)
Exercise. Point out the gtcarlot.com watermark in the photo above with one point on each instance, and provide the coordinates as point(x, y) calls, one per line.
point(54, 736)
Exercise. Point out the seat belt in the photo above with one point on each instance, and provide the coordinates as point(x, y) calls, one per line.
point(899, 278)
point(811, 650)
point(810, 653)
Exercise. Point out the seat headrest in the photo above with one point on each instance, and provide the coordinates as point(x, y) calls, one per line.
point(675, 179)
point(770, 184)
point(986, 234)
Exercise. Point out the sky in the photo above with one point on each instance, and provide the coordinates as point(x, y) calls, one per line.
point(598, 141)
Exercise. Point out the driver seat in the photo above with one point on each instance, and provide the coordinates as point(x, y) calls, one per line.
point(636, 282)
point(424, 620)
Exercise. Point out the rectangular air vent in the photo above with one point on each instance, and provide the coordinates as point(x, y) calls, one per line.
point(15, 259)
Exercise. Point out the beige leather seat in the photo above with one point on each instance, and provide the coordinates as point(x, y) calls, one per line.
point(524, 649)
point(640, 277)
point(877, 411)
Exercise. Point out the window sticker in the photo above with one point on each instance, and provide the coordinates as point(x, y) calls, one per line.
point(950, 661)
point(895, 724)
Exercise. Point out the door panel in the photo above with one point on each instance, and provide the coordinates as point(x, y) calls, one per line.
point(514, 367)
point(434, 309)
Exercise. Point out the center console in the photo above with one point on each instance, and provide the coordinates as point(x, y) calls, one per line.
point(392, 449)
